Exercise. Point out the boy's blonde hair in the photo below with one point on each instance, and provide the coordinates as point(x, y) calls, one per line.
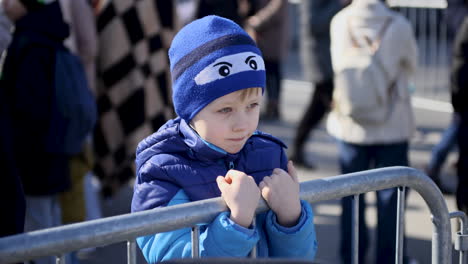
point(245, 93)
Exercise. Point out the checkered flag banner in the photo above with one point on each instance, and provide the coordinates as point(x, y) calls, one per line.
point(133, 89)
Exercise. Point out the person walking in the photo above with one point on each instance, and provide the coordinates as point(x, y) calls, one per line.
point(371, 135)
point(315, 47)
point(455, 13)
point(459, 81)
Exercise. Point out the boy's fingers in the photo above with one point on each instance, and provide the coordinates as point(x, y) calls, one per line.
point(230, 175)
point(261, 185)
point(233, 173)
point(277, 171)
point(267, 180)
point(221, 181)
point(251, 178)
point(264, 190)
point(292, 171)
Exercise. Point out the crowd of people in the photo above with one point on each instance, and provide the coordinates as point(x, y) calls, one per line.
point(177, 110)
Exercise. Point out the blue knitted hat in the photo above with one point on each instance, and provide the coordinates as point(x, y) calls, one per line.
point(212, 57)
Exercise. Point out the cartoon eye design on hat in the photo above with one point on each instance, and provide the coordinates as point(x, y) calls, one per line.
point(230, 65)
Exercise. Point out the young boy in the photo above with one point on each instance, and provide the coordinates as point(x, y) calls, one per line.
point(213, 149)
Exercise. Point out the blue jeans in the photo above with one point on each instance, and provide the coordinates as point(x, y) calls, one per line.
point(446, 144)
point(353, 158)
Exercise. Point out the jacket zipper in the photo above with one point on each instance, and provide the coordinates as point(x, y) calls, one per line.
point(231, 165)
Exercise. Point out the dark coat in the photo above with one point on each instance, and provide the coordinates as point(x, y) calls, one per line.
point(459, 71)
point(28, 83)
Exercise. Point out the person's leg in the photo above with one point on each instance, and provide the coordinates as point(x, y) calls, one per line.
point(443, 148)
point(92, 188)
point(462, 165)
point(353, 158)
point(318, 107)
point(42, 212)
point(385, 156)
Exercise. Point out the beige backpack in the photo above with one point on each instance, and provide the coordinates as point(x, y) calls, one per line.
point(362, 87)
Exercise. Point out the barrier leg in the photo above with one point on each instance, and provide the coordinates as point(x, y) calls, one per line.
point(131, 252)
point(355, 234)
point(253, 253)
point(60, 259)
point(400, 225)
point(195, 242)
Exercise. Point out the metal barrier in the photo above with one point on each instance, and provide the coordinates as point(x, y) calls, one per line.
point(434, 43)
point(59, 240)
point(429, 24)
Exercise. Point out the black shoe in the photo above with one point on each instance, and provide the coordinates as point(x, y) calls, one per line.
point(301, 162)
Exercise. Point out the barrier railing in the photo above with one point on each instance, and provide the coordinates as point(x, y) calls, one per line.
point(60, 240)
point(429, 23)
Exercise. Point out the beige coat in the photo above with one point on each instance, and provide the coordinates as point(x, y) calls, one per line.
point(398, 52)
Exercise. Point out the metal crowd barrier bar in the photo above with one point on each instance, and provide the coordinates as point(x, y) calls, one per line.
point(59, 240)
point(427, 18)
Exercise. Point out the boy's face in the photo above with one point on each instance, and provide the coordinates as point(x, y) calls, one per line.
point(230, 120)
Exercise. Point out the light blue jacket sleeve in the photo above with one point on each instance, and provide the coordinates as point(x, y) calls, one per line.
point(220, 238)
point(299, 241)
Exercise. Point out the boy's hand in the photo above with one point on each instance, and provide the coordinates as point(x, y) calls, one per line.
point(241, 194)
point(281, 192)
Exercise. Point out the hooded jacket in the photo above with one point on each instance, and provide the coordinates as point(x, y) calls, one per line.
point(174, 165)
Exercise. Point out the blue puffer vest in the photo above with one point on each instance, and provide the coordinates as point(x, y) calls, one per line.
point(175, 157)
